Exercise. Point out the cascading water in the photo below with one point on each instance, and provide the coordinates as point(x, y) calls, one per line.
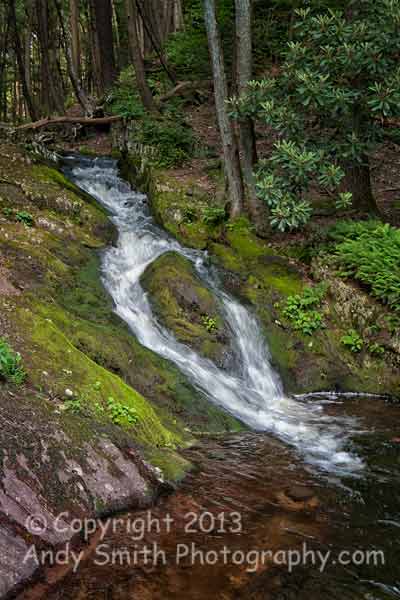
point(254, 395)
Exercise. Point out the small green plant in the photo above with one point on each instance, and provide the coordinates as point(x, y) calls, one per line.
point(189, 214)
point(344, 200)
point(210, 323)
point(7, 212)
point(300, 309)
point(24, 217)
point(214, 215)
point(120, 413)
point(353, 341)
point(73, 405)
point(11, 368)
point(376, 349)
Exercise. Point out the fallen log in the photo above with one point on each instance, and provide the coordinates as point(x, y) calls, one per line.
point(73, 120)
point(185, 87)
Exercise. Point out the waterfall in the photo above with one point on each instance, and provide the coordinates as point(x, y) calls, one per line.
point(253, 393)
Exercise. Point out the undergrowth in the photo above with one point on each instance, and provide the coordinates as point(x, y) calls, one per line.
point(369, 251)
point(300, 309)
point(167, 133)
point(11, 368)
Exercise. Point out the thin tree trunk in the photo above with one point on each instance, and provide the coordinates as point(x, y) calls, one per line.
point(95, 51)
point(67, 43)
point(21, 65)
point(75, 37)
point(51, 100)
point(178, 16)
point(153, 37)
point(244, 65)
point(231, 155)
point(137, 58)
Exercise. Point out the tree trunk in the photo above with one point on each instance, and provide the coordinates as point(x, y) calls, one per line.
point(244, 64)
point(122, 27)
point(21, 66)
point(137, 58)
point(75, 37)
point(68, 45)
point(358, 181)
point(95, 51)
point(151, 29)
point(51, 98)
point(231, 155)
point(103, 16)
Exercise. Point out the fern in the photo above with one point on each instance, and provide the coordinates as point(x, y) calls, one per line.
point(369, 251)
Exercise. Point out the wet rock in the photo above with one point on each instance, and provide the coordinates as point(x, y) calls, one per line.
point(299, 493)
point(55, 468)
point(14, 566)
point(188, 308)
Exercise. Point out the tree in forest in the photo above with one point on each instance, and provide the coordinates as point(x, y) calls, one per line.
point(137, 57)
point(339, 82)
point(229, 143)
point(247, 142)
point(103, 21)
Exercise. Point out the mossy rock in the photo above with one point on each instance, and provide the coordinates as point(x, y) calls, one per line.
point(187, 307)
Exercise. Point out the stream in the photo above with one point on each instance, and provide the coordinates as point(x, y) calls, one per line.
point(322, 472)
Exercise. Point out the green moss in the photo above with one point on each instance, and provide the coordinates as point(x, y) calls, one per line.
point(183, 304)
point(49, 175)
point(69, 368)
point(173, 466)
point(244, 241)
point(281, 278)
point(226, 257)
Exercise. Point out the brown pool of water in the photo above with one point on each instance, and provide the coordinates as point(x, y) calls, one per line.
point(248, 505)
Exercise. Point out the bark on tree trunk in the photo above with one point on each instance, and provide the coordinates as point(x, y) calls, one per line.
point(51, 96)
point(75, 37)
point(67, 43)
point(137, 58)
point(256, 207)
point(103, 14)
point(231, 154)
point(21, 66)
point(358, 182)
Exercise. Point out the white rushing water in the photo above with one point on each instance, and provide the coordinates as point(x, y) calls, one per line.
point(253, 393)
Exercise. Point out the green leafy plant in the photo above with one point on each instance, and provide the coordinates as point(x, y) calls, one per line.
point(210, 323)
point(74, 405)
point(120, 413)
point(300, 309)
point(214, 215)
point(8, 212)
point(189, 214)
point(353, 341)
point(338, 82)
point(369, 251)
point(376, 349)
point(11, 368)
point(25, 217)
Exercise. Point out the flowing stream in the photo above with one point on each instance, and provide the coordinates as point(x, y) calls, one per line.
point(253, 392)
point(291, 480)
